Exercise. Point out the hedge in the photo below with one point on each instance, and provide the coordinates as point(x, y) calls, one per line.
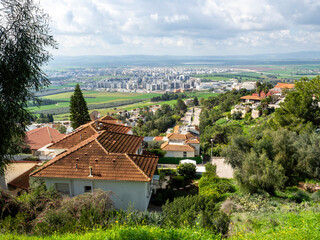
point(176, 160)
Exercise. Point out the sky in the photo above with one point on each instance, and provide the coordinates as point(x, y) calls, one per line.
point(183, 27)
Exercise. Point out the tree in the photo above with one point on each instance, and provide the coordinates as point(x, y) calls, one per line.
point(62, 129)
point(24, 43)
point(181, 106)
point(195, 101)
point(78, 109)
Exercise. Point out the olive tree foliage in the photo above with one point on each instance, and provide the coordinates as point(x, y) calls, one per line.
point(24, 43)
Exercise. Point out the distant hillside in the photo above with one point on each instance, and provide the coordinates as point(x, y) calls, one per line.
point(151, 60)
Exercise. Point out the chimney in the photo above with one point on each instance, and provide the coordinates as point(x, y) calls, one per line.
point(90, 171)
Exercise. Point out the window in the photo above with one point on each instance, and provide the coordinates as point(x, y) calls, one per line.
point(63, 188)
point(87, 188)
point(184, 154)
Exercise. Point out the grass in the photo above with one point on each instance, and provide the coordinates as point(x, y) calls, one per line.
point(278, 226)
point(128, 233)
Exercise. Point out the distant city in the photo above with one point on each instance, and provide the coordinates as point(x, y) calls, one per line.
point(147, 79)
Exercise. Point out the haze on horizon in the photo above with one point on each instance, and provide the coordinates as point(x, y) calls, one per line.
point(183, 27)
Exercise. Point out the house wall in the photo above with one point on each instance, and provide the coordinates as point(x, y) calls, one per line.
point(58, 151)
point(178, 154)
point(197, 148)
point(126, 194)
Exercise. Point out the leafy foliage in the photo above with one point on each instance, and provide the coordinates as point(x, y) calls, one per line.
point(79, 114)
point(195, 210)
point(188, 170)
point(24, 40)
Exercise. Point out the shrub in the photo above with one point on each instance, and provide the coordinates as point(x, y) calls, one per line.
point(9, 206)
point(316, 196)
point(299, 196)
point(200, 211)
point(83, 211)
point(158, 152)
point(212, 186)
point(188, 170)
point(177, 182)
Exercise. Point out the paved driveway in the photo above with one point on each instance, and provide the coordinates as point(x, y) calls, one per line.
point(224, 170)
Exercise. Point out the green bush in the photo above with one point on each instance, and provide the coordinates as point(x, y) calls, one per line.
point(299, 196)
point(212, 186)
point(168, 171)
point(177, 182)
point(200, 211)
point(188, 170)
point(83, 211)
point(158, 152)
point(315, 196)
point(173, 160)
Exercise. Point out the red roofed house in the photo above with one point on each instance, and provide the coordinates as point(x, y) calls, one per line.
point(40, 137)
point(101, 155)
point(181, 145)
point(90, 165)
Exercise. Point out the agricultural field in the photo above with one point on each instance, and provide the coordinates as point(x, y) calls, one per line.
point(105, 102)
point(265, 73)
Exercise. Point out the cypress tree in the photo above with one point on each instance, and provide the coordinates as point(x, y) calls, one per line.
point(78, 109)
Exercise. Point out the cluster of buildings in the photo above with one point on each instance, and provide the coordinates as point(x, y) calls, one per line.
point(102, 154)
point(252, 103)
point(141, 79)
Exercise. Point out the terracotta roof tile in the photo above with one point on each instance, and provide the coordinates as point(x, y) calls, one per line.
point(158, 139)
point(176, 129)
point(119, 142)
point(111, 127)
point(176, 136)
point(40, 137)
point(284, 85)
point(105, 166)
point(82, 133)
point(178, 148)
point(251, 97)
point(196, 140)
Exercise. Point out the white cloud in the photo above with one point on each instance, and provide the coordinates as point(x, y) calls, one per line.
point(183, 27)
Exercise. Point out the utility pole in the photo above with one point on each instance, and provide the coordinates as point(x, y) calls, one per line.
point(211, 147)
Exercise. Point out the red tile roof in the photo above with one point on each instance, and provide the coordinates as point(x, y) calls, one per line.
point(176, 136)
point(196, 140)
point(159, 139)
point(111, 127)
point(251, 98)
point(81, 133)
point(109, 119)
point(119, 142)
point(177, 148)
point(75, 164)
point(176, 129)
point(40, 137)
point(284, 85)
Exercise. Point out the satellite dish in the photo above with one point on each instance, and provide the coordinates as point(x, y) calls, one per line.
point(94, 115)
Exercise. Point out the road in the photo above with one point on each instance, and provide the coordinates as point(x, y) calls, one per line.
point(196, 116)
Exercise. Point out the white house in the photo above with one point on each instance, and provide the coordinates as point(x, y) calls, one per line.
point(181, 145)
point(90, 165)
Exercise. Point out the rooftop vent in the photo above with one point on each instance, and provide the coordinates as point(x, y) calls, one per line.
point(90, 171)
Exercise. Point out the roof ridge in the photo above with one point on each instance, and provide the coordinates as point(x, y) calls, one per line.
point(72, 133)
point(51, 140)
point(64, 154)
point(136, 165)
point(96, 139)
